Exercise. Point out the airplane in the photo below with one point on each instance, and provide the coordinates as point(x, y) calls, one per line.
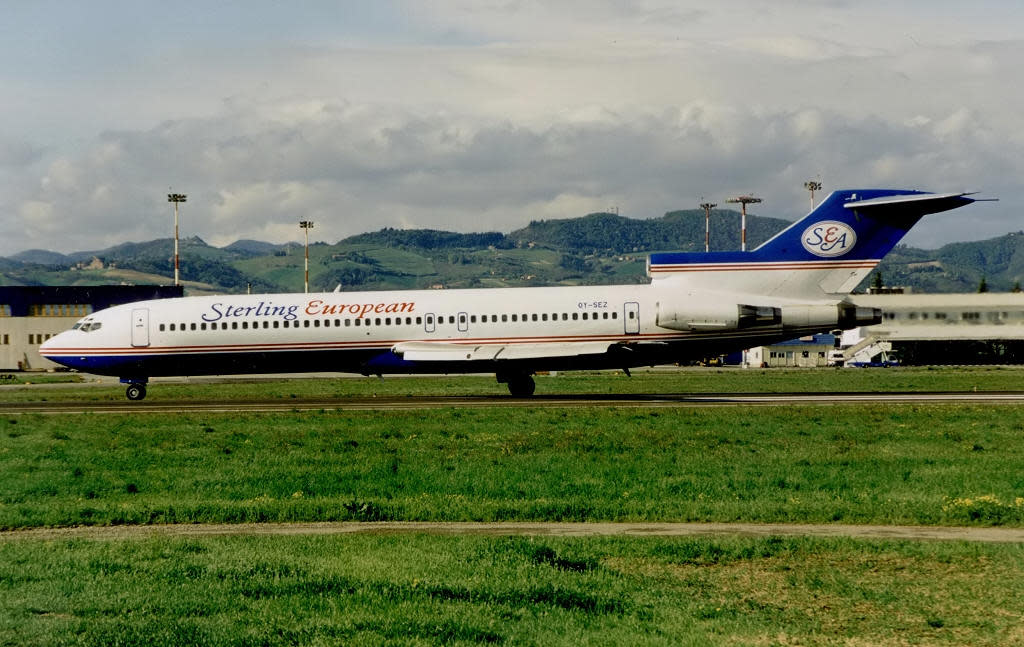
point(697, 304)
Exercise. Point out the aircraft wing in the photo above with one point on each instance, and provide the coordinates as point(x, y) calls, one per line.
point(427, 351)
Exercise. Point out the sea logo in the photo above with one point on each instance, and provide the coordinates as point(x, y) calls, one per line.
point(829, 238)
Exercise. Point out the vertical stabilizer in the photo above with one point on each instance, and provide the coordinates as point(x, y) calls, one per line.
point(825, 254)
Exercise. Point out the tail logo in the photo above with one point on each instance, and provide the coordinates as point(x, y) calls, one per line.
point(828, 238)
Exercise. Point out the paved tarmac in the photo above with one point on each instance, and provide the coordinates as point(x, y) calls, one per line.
point(665, 400)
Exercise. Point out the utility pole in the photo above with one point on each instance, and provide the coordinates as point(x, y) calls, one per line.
point(176, 198)
point(707, 207)
point(812, 186)
point(306, 226)
point(743, 201)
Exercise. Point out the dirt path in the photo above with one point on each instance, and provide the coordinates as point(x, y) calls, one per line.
point(972, 534)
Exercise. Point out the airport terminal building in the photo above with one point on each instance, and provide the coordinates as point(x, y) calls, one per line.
point(29, 315)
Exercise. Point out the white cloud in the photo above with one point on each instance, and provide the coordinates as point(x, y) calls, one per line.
point(488, 115)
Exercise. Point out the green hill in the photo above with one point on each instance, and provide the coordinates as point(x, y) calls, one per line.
point(600, 248)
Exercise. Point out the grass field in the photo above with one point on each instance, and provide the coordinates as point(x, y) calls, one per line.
point(428, 590)
point(881, 464)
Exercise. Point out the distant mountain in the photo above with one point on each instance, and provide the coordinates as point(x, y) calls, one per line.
point(958, 267)
point(427, 239)
point(597, 249)
point(40, 257)
point(253, 248)
point(676, 231)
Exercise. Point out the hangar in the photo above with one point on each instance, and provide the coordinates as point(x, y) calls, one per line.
point(29, 315)
point(971, 328)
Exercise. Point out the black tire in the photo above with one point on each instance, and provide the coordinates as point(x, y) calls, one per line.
point(522, 386)
point(135, 391)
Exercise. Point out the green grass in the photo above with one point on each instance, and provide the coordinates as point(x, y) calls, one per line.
point(429, 590)
point(887, 464)
point(684, 381)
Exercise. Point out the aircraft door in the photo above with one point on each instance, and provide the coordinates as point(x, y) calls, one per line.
point(463, 322)
point(631, 317)
point(140, 327)
point(428, 322)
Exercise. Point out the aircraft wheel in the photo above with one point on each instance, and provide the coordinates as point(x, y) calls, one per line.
point(522, 386)
point(135, 391)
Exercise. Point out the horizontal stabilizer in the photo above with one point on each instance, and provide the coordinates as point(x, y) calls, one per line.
point(425, 351)
point(915, 203)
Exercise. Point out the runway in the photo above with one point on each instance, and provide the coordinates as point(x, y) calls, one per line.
point(551, 529)
point(392, 403)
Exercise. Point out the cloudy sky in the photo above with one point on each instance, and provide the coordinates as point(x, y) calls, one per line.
point(471, 116)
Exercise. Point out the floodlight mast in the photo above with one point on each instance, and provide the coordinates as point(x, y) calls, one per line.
point(743, 201)
point(176, 198)
point(812, 186)
point(306, 226)
point(707, 207)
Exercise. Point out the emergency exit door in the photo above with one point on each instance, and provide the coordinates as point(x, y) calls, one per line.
point(631, 318)
point(140, 327)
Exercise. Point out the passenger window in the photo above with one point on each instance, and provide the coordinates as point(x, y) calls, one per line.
point(504, 318)
point(234, 325)
point(376, 321)
point(615, 315)
point(451, 319)
point(575, 316)
point(276, 324)
point(515, 317)
point(387, 321)
point(357, 322)
point(202, 326)
point(161, 328)
point(534, 317)
point(316, 323)
point(348, 323)
point(191, 326)
point(584, 316)
point(419, 320)
point(544, 317)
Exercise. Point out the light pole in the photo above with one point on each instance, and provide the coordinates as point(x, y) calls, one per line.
point(707, 207)
point(306, 226)
point(744, 200)
point(176, 198)
point(812, 186)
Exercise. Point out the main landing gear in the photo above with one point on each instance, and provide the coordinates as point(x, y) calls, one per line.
point(136, 389)
point(520, 385)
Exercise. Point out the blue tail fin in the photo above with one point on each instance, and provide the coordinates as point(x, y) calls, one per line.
point(841, 241)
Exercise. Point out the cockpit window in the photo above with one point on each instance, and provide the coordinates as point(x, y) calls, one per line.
point(76, 326)
point(96, 325)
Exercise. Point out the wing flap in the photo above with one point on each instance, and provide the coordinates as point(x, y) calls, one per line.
point(425, 351)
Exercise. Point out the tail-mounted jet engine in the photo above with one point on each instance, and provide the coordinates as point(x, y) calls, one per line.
point(709, 316)
point(741, 316)
point(842, 316)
